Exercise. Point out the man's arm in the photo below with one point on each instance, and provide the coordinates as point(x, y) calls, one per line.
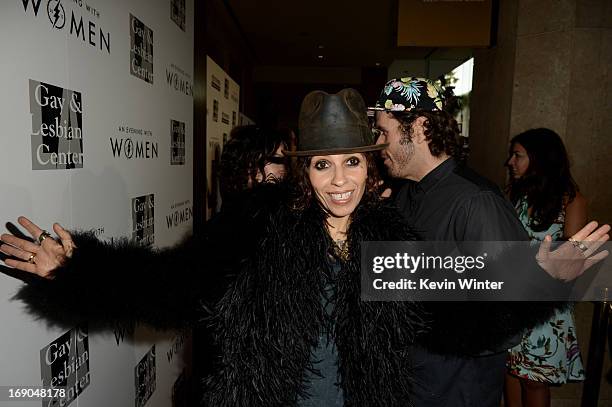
point(475, 328)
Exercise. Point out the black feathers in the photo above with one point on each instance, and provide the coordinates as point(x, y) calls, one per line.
point(267, 323)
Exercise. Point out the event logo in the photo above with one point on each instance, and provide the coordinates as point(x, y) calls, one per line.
point(177, 13)
point(65, 363)
point(177, 142)
point(134, 143)
point(213, 199)
point(215, 83)
point(121, 332)
point(177, 346)
point(145, 378)
point(180, 213)
point(143, 219)
point(224, 118)
point(215, 110)
point(84, 29)
point(178, 80)
point(141, 50)
point(57, 127)
point(56, 13)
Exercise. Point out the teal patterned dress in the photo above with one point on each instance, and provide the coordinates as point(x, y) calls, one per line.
point(548, 353)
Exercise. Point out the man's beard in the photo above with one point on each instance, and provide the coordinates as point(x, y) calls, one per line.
point(398, 168)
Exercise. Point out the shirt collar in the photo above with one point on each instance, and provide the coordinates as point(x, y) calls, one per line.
point(441, 171)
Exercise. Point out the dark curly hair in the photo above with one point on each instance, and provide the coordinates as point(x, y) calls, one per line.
point(548, 183)
point(303, 196)
point(441, 131)
point(244, 156)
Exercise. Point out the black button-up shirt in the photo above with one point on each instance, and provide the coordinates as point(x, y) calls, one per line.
point(454, 203)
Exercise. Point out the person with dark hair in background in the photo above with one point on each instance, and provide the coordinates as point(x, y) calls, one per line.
point(252, 159)
point(251, 156)
point(546, 197)
point(459, 364)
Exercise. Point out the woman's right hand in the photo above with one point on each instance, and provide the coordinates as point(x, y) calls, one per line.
point(41, 258)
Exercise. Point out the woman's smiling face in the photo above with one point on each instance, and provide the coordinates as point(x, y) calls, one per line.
point(339, 181)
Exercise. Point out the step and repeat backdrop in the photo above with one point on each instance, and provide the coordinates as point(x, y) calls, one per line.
point(97, 134)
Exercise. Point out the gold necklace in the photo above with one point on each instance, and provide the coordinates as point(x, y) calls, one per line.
point(341, 249)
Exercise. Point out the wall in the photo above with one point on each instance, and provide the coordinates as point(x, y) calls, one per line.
point(550, 67)
point(105, 87)
point(424, 68)
point(491, 98)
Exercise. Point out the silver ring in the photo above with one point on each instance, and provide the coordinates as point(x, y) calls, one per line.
point(579, 245)
point(43, 236)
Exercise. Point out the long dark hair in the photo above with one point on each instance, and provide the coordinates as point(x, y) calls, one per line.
point(548, 183)
point(303, 196)
point(245, 155)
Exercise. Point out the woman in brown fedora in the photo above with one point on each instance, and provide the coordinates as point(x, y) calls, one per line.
point(290, 325)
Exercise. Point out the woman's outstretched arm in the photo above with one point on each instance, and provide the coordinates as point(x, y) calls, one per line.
point(79, 277)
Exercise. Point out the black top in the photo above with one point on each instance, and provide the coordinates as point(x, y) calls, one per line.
point(454, 203)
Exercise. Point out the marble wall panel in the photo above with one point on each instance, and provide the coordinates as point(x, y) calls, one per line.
point(541, 16)
point(541, 82)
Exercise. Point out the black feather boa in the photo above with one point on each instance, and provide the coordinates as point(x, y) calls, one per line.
point(120, 283)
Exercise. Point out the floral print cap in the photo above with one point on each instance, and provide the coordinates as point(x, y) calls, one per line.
point(406, 94)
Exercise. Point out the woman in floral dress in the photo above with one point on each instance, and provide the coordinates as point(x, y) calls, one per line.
point(548, 203)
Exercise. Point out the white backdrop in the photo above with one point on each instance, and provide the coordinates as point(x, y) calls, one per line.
point(109, 81)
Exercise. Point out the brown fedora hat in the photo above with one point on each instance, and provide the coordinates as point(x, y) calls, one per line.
point(334, 124)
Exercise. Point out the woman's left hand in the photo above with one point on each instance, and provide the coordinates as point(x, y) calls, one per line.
point(575, 256)
point(43, 258)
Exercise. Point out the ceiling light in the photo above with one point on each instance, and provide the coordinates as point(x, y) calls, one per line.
point(320, 46)
point(320, 56)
